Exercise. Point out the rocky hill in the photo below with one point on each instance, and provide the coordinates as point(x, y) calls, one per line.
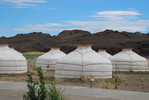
point(35, 41)
point(67, 34)
point(111, 40)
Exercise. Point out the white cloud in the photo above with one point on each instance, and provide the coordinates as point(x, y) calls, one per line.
point(116, 15)
point(41, 27)
point(92, 26)
point(96, 26)
point(23, 3)
point(114, 20)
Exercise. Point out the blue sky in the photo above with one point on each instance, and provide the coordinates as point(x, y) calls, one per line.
point(54, 16)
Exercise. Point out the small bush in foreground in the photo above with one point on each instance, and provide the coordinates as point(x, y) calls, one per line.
point(36, 89)
point(39, 90)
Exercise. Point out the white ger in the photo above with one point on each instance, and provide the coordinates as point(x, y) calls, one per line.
point(103, 53)
point(127, 60)
point(16, 51)
point(11, 61)
point(83, 62)
point(48, 60)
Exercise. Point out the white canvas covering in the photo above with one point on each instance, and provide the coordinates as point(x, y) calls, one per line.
point(104, 53)
point(10, 61)
point(83, 62)
point(127, 60)
point(48, 60)
point(16, 51)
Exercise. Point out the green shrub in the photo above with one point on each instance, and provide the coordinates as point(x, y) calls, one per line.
point(118, 79)
point(31, 94)
point(54, 93)
point(36, 89)
point(39, 90)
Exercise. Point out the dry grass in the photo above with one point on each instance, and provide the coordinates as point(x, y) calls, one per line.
point(106, 84)
point(33, 53)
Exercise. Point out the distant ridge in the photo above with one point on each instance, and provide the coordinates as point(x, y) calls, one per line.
point(111, 40)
